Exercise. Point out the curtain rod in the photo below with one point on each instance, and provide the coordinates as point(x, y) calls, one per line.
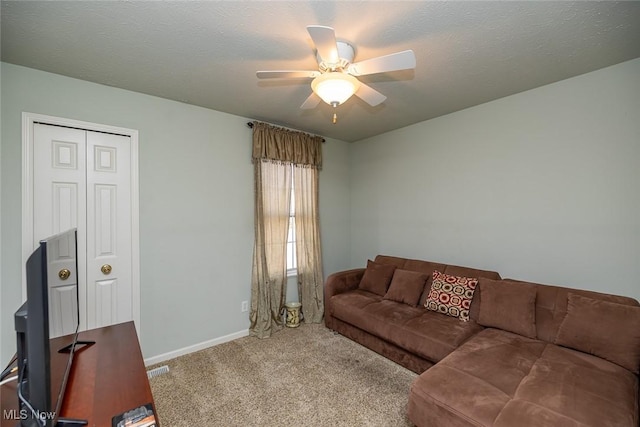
point(250, 124)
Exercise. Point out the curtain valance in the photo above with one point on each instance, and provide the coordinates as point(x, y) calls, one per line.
point(284, 145)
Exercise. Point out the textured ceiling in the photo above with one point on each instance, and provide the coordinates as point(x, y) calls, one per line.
point(206, 53)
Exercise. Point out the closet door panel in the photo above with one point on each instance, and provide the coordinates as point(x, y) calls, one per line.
point(59, 199)
point(109, 269)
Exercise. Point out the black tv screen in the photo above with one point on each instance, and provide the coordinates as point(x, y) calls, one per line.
point(44, 362)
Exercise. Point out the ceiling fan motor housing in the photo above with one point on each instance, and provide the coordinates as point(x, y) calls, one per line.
point(346, 53)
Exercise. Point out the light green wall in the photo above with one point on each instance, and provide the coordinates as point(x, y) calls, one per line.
point(196, 205)
point(2, 321)
point(540, 186)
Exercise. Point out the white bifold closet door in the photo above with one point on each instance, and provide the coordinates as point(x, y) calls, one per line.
point(82, 179)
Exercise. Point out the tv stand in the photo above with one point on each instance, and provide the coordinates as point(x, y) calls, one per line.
point(79, 345)
point(107, 379)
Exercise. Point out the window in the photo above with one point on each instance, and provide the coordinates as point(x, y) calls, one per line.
point(292, 264)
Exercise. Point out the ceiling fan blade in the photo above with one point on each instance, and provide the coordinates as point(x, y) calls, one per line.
point(396, 61)
point(325, 40)
point(287, 74)
point(370, 95)
point(311, 102)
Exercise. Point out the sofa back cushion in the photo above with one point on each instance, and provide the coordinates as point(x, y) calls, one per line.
point(602, 328)
point(406, 286)
point(551, 307)
point(456, 270)
point(509, 306)
point(377, 277)
point(426, 267)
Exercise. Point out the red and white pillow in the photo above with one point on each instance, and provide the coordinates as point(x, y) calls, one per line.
point(451, 295)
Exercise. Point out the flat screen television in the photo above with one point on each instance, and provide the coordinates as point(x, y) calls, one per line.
point(44, 362)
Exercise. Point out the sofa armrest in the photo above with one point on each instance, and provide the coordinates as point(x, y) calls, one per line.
point(338, 283)
point(343, 281)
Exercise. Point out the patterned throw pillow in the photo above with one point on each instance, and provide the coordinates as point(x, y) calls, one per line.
point(451, 295)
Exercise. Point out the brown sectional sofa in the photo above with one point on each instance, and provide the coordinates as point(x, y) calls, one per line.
point(508, 365)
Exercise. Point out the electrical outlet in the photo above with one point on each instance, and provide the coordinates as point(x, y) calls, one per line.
point(244, 306)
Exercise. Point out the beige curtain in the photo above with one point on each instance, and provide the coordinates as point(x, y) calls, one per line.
point(268, 281)
point(275, 150)
point(308, 248)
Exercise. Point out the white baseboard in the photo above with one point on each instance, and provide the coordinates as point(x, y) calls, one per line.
point(196, 347)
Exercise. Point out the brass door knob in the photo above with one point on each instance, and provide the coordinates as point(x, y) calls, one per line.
point(106, 269)
point(64, 274)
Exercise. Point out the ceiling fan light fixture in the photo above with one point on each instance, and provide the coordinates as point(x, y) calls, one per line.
point(334, 88)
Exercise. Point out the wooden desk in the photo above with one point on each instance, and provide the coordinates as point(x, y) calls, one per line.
point(106, 379)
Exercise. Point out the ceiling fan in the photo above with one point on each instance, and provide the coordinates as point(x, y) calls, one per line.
point(335, 80)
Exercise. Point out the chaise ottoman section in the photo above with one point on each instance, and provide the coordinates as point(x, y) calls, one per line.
point(501, 379)
point(473, 384)
point(566, 387)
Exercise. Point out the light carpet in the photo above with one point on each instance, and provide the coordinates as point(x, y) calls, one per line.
point(306, 376)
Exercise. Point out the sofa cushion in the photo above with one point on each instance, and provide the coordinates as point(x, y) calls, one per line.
point(508, 305)
point(348, 307)
point(427, 334)
point(501, 379)
point(355, 299)
point(551, 306)
point(477, 380)
point(602, 328)
point(385, 318)
point(377, 277)
point(406, 286)
point(373, 314)
point(432, 335)
point(565, 387)
point(451, 295)
point(456, 270)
